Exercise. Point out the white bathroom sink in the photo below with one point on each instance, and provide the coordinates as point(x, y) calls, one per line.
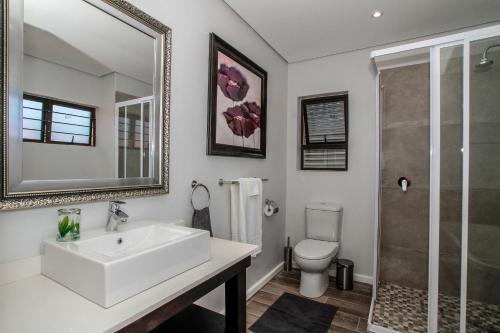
point(108, 267)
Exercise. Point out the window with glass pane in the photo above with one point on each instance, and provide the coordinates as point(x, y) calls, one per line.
point(32, 120)
point(324, 133)
point(50, 121)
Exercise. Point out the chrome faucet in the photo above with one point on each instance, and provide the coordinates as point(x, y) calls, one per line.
point(115, 215)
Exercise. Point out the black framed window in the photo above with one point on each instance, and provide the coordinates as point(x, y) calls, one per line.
point(47, 120)
point(324, 144)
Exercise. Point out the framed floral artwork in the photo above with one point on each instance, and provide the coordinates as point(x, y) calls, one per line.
point(236, 103)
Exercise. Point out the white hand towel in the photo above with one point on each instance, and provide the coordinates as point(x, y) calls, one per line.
point(235, 209)
point(246, 212)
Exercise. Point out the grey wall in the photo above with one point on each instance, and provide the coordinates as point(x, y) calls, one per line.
point(191, 21)
point(354, 189)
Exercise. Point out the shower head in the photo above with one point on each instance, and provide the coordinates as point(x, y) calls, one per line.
point(485, 63)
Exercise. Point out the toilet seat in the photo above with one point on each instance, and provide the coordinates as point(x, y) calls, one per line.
point(313, 249)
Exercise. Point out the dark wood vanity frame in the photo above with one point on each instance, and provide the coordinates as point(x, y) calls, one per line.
point(234, 278)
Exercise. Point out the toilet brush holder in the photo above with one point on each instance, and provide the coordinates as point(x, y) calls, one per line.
point(287, 267)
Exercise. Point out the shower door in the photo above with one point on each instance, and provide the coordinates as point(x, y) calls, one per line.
point(463, 291)
point(465, 228)
point(482, 274)
point(447, 274)
point(403, 249)
point(134, 153)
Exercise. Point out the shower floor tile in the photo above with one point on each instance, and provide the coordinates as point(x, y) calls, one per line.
point(405, 309)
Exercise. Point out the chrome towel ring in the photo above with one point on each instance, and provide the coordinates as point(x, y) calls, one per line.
point(195, 185)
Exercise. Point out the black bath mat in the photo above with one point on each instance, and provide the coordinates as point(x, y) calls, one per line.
point(295, 314)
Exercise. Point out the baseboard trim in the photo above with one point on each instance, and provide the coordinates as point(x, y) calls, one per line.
point(356, 277)
point(253, 289)
point(363, 278)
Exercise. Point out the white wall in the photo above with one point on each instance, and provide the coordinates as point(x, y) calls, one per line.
point(62, 161)
point(106, 126)
point(191, 21)
point(49, 79)
point(42, 161)
point(353, 189)
point(131, 86)
point(51, 161)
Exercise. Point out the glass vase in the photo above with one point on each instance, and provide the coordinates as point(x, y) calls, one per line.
point(68, 224)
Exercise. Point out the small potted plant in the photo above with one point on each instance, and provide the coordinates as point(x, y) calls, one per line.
point(68, 224)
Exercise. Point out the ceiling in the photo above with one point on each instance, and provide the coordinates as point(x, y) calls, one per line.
point(41, 44)
point(89, 40)
point(305, 29)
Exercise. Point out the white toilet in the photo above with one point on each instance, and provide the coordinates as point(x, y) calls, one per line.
point(315, 253)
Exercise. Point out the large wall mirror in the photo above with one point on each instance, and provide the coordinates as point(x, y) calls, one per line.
point(85, 104)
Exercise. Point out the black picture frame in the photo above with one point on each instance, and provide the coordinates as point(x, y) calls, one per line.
point(213, 148)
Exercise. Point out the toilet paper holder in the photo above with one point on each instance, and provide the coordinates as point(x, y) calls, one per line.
point(273, 205)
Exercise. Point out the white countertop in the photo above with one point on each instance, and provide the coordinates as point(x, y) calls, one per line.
point(38, 304)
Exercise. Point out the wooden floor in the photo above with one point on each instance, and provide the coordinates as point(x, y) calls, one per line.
point(352, 306)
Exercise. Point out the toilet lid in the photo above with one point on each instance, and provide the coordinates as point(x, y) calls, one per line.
point(315, 249)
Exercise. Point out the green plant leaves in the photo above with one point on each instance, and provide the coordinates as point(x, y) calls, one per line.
point(66, 226)
point(63, 226)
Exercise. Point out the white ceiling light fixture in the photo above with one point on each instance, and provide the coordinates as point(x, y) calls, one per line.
point(377, 14)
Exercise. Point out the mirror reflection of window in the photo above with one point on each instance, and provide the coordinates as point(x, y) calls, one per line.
point(50, 121)
point(32, 120)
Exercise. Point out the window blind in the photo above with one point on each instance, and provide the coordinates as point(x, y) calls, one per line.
point(324, 158)
point(324, 133)
point(326, 122)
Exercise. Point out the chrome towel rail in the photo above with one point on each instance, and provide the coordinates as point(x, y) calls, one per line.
point(222, 181)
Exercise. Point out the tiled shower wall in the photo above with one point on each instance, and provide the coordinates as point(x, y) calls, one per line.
point(405, 152)
point(484, 208)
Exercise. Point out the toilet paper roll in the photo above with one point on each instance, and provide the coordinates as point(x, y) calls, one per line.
point(270, 209)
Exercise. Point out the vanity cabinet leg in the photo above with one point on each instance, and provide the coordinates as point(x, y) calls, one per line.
point(236, 303)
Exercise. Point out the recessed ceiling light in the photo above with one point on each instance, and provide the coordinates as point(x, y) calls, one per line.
point(377, 14)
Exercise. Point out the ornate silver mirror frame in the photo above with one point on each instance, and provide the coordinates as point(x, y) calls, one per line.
point(52, 193)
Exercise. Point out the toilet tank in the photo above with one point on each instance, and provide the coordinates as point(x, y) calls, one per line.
point(324, 221)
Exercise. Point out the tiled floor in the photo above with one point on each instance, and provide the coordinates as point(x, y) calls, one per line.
point(353, 306)
point(405, 309)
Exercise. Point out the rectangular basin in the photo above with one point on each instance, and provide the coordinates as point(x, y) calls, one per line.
point(109, 267)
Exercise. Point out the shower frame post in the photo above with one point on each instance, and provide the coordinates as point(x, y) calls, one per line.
point(465, 183)
point(434, 188)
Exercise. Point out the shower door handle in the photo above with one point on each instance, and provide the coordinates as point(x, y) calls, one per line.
point(404, 183)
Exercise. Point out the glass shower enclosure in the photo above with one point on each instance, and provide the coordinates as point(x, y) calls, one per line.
point(437, 235)
point(133, 131)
